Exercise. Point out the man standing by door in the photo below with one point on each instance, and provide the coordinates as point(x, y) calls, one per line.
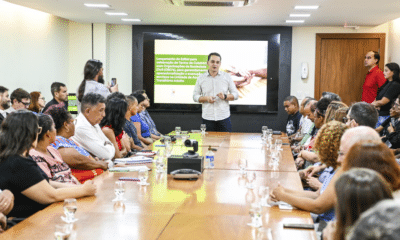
point(374, 79)
point(214, 89)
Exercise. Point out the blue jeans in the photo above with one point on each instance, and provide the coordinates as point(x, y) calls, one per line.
point(224, 125)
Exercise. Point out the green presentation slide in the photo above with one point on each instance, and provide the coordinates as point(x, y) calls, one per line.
point(178, 69)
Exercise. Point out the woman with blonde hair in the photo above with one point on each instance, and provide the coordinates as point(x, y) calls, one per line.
point(320, 202)
point(333, 107)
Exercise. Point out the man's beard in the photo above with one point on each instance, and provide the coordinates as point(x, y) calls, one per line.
point(100, 79)
point(5, 105)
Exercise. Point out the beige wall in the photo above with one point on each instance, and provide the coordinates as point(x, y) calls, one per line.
point(394, 41)
point(34, 49)
point(303, 50)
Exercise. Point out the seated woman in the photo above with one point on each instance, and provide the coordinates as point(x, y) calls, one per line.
point(83, 165)
point(48, 158)
point(142, 129)
point(37, 102)
point(112, 125)
point(21, 175)
point(393, 120)
point(378, 157)
point(6, 205)
point(356, 191)
point(327, 145)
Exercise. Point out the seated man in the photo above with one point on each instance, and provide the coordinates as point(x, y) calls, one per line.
point(20, 99)
point(87, 130)
point(319, 120)
point(4, 103)
point(292, 108)
point(305, 122)
point(362, 114)
point(60, 95)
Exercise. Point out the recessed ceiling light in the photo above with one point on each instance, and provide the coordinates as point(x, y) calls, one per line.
point(294, 21)
point(116, 13)
point(130, 20)
point(299, 15)
point(306, 7)
point(96, 5)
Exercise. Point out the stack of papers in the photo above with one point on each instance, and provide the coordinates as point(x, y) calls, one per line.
point(134, 160)
point(145, 153)
point(128, 169)
point(282, 205)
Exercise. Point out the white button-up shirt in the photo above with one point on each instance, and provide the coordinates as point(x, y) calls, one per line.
point(207, 85)
point(92, 139)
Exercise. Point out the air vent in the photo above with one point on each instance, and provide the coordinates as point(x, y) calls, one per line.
point(211, 3)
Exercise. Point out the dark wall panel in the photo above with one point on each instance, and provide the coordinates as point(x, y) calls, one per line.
point(166, 121)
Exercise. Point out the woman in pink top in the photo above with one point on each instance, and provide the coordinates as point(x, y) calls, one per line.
point(47, 157)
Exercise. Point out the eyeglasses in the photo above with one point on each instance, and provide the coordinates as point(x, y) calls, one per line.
point(26, 103)
point(346, 119)
point(340, 154)
point(39, 131)
point(43, 98)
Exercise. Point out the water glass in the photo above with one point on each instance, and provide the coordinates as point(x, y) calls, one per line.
point(278, 143)
point(160, 165)
point(264, 130)
point(242, 165)
point(143, 176)
point(178, 131)
point(263, 192)
point(119, 190)
point(62, 231)
point(251, 177)
point(264, 234)
point(255, 214)
point(203, 129)
point(70, 208)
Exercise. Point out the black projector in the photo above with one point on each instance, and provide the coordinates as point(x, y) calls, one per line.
point(176, 162)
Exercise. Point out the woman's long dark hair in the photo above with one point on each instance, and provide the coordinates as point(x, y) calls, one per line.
point(394, 67)
point(18, 132)
point(115, 115)
point(357, 190)
point(92, 68)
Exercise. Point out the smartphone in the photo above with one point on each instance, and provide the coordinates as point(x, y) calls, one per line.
point(298, 225)
point(113, 82)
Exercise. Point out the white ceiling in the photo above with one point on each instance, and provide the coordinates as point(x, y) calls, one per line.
point(263, 12)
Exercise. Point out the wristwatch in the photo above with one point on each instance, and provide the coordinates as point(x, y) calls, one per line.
point(225, 96)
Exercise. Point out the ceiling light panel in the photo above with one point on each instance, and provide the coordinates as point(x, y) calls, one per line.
point(299, 15)
point(313, 7)
point(93, 5)
point(116, 13)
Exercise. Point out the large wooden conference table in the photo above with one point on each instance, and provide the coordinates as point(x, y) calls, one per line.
point(216, 206)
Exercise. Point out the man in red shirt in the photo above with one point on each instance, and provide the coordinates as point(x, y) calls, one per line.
point(374, 79)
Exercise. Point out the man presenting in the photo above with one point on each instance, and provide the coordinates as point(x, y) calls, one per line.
point(214, 89)
point(374, 79)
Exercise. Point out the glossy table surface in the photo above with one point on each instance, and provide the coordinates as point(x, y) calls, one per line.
point(216, 206)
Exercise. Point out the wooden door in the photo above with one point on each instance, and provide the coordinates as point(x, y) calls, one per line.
point(339, 65)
